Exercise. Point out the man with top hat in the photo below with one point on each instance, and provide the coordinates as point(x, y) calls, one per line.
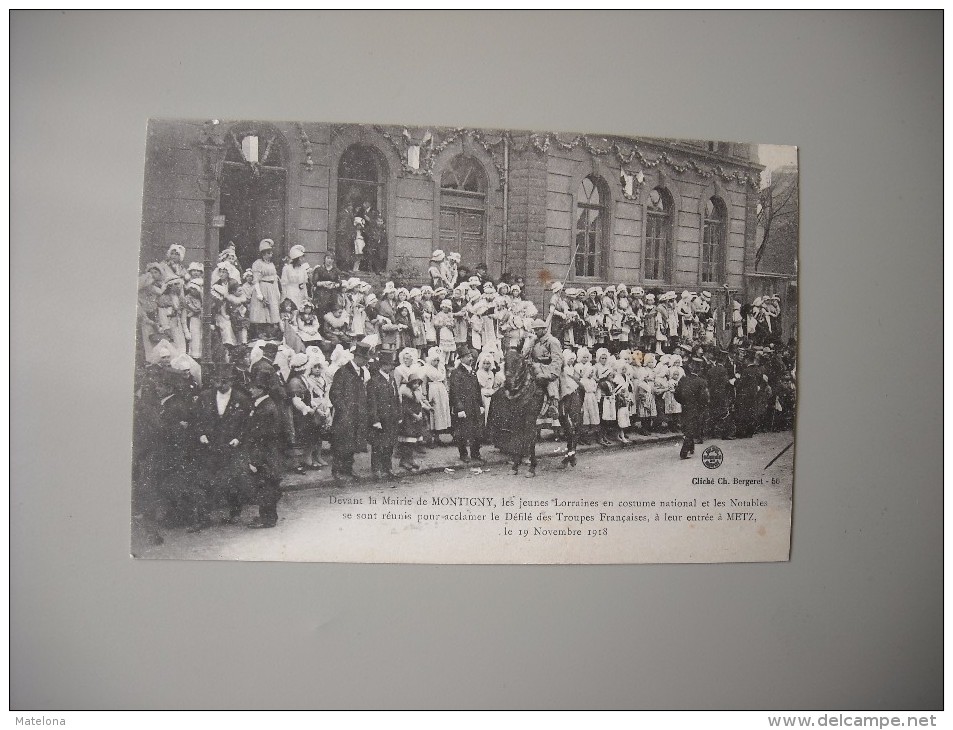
point(348, 394)
point(263, 454)
point(383, 415)
point(466, 407)
point(220, 415)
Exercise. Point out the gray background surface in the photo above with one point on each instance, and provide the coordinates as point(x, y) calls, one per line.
point(853, 621)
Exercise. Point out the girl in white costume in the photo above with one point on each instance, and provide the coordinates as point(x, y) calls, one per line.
point(490, 381)
point(435, 375)
point(590, 399)
point(294, 277)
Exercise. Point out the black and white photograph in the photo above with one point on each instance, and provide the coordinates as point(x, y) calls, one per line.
point(412, 343)
point(466, 360)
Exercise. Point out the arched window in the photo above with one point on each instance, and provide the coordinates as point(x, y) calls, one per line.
point(713, 240)
point(253, 190)
point(463, 187)
point(361, 193)
point(591, 219)
point(658, 235)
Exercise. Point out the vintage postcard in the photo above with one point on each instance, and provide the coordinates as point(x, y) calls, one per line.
point(390, 343)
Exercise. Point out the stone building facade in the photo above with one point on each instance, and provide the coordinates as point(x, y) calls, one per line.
point(583, 208)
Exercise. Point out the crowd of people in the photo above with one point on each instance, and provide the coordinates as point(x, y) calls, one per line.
point(315, 356)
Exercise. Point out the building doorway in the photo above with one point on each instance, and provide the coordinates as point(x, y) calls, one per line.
point(463, 188)
point(361, 199)
point(253, 193)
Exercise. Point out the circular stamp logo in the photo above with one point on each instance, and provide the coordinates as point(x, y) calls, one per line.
point(712, 457)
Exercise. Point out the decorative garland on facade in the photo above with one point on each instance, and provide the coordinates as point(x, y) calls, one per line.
point(542, 143)
point(306, 144)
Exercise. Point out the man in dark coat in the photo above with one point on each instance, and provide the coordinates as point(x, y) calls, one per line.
point(748, 398)
point(220, 415)
point(717, 420)
point(264, 449)
point(383, 415)
point(466, 408)
point(348, 394)
point(276, 389)
point(692, 393)
point(174, 457)
point(326, 286)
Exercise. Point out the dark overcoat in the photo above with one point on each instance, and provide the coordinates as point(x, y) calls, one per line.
point(383, 406)
point(174, 463)
point(747, 397)
point(717, 377)
point(348, 396)
point(220, 464)
point(221, 429)
point(466, 397)
point(692, 393)
point(264, 440)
